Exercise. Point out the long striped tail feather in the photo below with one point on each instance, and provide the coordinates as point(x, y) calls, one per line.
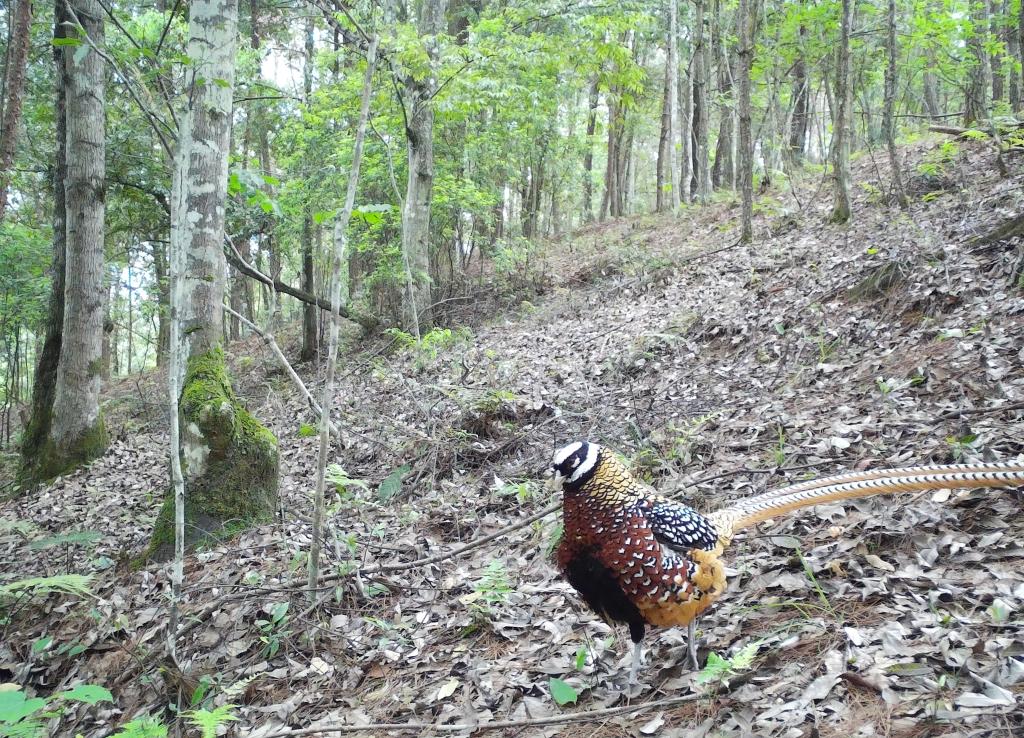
point(863, 484)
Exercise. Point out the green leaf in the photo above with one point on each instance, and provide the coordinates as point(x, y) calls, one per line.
point(90, 694)
point(42, 644)
point(581, 658)
point(392, 485)
point(562, 693)
point(66, 42)
point(223, 83)
point(715, 669)
point(14, 706)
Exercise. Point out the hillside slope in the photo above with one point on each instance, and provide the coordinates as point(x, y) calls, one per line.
point(720, 371)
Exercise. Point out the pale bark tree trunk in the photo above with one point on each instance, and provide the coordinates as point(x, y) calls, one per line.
point(77, 434)
point(38, 428)
point(723, 173)
point(888, 120)
point(746, 144)
point(420, 185)
point(840, 122)
point(309, 312)
point(13, 89)
point(229, 460)
point(701, 74)
point(340, 257)
point(588, 157)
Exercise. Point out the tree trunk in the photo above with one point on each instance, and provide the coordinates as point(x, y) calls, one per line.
point(37, 430)
point(1013, 52)
point(701, 74)
point(685, 135)
point(976, 98)
point(840, 122)
point(667, 198)
point(723, 173)
point(996, 59)
point(801, 94)
point(662, 194)
point(228, 459)
point(588, 157)
point(420, 184)
point(13, 90)
point(163, 287)
point(338, 278)
point(77, 434)
point(888, 121)
point(309, 312)
point(746, 145)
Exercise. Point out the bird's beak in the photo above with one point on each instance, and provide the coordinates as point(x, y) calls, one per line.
point(552, 483)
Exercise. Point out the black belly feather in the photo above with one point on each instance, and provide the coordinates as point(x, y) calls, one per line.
point(600, 589)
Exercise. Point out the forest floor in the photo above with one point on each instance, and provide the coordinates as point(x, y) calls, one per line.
point(721, 371)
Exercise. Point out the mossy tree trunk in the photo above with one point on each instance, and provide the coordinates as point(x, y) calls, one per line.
point(229, 461)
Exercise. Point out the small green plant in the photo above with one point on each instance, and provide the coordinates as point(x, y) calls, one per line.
point(493, 588)
point(826, 348)
point(960, 446)
point(778, 452)
point(24, 717)
point(344, 485)
point(208, 721)
point(274, 630)
point(74, 585)
point(809, 573)
point(144, 727)
point(719, 670)
point(495, 585)
point(307, 430)
point(431, 345)
point(883, 386)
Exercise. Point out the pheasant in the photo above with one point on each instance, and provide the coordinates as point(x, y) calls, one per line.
point(641, 559)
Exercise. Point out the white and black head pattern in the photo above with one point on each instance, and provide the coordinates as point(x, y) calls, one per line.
point(574, 464)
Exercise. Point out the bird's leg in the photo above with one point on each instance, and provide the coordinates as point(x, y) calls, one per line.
point(636, 634)
point(636, 663)
point(691, 644)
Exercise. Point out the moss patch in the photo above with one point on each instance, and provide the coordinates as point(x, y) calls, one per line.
point(51, 461)
point(229, 461)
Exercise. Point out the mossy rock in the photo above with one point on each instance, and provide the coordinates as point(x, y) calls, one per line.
point(229, 461)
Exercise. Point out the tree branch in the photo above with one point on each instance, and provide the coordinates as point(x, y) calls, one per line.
point(368, 322)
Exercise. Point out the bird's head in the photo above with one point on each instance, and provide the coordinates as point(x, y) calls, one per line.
point(574, 464)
